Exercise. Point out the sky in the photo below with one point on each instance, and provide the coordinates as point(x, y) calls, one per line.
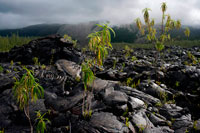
point(21, 13)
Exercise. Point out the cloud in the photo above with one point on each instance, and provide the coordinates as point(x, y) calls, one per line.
point(20, 13)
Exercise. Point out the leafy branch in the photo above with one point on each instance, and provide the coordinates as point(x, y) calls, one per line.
point(25, 89)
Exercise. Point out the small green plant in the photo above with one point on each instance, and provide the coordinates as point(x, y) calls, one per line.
point(43, 66)
point(159, 46)
point(173, 120)
point(35, 60)
point(163, 97)
point(192, 58)
point(25, 89)
point(133, 58)
point(173, 101)
point(88, 78)
point(158, 104)
point(136, 84)
point(19, 63)
point(186, 63)
point(177, 84)
point(195, 125)
point(127, 121)
point(158, 83)
point(83, 50)
point(114, 63)
point(2, 131)
point(87, 114)
point(129, 81)
point(128, 51)
point(69, 39)
point(8, 71)
point(141, 128)
point(187, 32)
point(15, 69)
point(125, 113)
point(186, 131)
point(123, 66)
point(11, 62)
point(41, 122)
point(1, 69)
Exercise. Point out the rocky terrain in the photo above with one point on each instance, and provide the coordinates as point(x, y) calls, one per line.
point(129, 94)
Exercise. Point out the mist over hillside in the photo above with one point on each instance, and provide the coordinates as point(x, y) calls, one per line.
point(78, 31)
point(124, 33)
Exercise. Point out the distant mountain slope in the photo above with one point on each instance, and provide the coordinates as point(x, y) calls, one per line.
point(124, 33)
point(34, 30)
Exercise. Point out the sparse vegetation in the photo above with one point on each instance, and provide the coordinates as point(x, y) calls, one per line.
point(88, 78)
point(36, 62)
point(99, 43)
point(192, 58)
point(69, 39)
point(41, 122)
point(141, 128)
point(187, 32)
point(128, 51)
point(181, 43)
point(14, 40)
point(26, 89)
point(2, 131)
point(123, 66)
point(129, 82)
point(133, 58)
point(151, 32)
point(1, 69)
point(163, 97)
point(127, 121)
point(118, 93)
point(11, 63)
point(177, 84)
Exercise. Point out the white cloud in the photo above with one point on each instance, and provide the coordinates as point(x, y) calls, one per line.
point(19, 13)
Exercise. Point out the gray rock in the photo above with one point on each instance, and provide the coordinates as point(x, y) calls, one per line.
point(6, 81)
point(144, 62)
point(156, 120)
point(62, 104)
point(153, 89)
point(107, 123)
point(140, 119)
point(112, 75)
point(158, 130)
point(136, 103)
point(69, 67)
point(148, 99)
point(182, 124)
point(100, 84)
point(171, 111)
point(116, 97)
